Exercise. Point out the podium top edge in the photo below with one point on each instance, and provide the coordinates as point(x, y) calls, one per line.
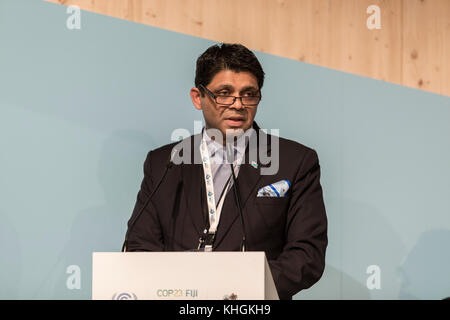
point(181, 252)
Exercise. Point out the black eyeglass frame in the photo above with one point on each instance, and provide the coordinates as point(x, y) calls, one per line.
point(234, 100)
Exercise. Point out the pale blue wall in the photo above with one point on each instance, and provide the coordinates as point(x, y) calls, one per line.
point(80, 109)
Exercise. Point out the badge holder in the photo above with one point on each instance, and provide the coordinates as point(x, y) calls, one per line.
point(205, 243)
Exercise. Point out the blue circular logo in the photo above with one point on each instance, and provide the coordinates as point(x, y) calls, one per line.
point(124, 296)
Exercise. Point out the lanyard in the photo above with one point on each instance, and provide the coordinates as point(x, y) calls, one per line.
point(213, 211)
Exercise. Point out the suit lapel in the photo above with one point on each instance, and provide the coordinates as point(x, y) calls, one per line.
point(193, 177)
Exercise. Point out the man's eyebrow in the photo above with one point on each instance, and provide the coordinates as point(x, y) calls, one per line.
point(231, 88)
point(249, 88)
point(224, 86)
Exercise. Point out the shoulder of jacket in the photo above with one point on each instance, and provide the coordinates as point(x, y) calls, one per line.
point(165, 150)
point(291, 146)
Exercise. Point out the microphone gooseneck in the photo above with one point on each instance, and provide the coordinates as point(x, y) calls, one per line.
point(168, 166)
point(237, 195)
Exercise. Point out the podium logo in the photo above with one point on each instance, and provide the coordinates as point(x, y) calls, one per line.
point(124, 296)
point(232, 296)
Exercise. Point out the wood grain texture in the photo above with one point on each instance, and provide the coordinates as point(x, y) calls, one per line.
point(426, 43)
point(412, 48)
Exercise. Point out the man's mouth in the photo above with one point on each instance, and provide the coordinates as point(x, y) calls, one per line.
point(235, 121)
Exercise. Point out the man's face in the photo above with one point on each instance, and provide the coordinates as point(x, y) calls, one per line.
point(233, 117)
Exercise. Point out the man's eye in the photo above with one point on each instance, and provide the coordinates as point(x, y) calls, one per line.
point(223, 93)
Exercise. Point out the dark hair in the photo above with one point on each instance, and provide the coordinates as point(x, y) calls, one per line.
point(225, 56)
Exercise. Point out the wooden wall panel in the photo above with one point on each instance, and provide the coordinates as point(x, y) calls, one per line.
point(426, 42)
point(412, 48)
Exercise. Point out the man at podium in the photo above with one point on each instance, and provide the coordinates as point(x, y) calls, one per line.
point(233, 187)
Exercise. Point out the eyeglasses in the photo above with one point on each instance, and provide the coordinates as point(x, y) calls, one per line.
point(249, 101)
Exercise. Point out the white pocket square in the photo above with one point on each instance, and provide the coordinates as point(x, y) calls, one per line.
point(277, 189)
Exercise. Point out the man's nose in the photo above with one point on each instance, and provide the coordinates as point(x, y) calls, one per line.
point(237, 104)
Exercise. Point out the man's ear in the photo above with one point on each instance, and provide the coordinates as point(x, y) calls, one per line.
point(196, 98)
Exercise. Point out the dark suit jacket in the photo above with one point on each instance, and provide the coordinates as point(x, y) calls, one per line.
point(291, 230)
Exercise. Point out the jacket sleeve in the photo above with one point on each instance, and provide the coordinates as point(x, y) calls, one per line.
point(302, 261)
point(146, 235)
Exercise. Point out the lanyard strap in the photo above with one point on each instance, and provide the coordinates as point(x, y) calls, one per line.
point(213, 211)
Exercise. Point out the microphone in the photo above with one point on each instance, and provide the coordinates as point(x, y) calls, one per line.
point(174, 152)
point(230, 156)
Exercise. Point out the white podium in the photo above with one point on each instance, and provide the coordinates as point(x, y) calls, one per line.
point(182, 275)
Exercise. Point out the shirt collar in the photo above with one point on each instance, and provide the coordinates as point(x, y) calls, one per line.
point(213, 146)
